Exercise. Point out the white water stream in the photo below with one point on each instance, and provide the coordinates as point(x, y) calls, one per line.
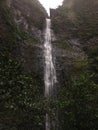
point(50, 72)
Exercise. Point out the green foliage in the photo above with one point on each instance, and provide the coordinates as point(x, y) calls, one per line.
point(21, 99)
point(19, 92)
point(78, 104)
point(77, 18)
point(93, 63)
point(86, 15)
point(77, 101)
point(63, 44)
point(80, 66)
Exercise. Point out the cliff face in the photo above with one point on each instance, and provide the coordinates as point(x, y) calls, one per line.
point(21, 28)
point(27, 14)
point(21, 36)
point(75, 25)
point(30, 17)
point(76, 18)
point(76, 51)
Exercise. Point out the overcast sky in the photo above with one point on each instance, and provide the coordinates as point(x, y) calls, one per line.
point(50, 3)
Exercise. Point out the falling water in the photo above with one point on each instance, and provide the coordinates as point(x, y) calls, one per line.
point(50, 72)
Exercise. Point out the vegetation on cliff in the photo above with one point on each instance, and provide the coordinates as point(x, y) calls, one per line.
point(29, 12)
point(21, 91)
point(77, 18)
point(78, 106)
point(22, 105)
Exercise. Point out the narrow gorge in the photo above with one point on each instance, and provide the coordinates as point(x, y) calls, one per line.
point(48, 65)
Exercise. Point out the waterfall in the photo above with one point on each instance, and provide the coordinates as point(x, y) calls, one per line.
point(50, 72)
